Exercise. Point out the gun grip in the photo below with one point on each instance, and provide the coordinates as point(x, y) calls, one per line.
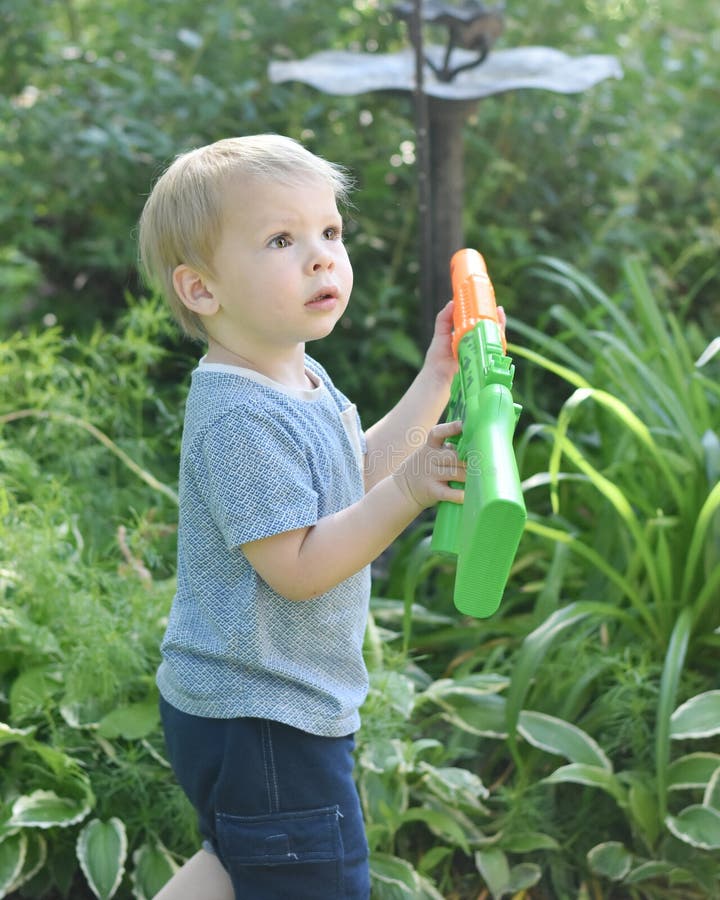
point(494, 508)
point(447, 527)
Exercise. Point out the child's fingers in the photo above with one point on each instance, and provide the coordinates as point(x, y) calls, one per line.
point(502, 318)
point(440, 433)
point(446, 461)
point(444, 320)
point(453, 495)
point(456, 471)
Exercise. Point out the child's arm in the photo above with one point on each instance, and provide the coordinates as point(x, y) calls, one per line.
point(306, 562)
point(202, 876)
point(405, 427)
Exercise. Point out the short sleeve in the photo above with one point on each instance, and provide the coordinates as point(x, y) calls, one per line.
point(258, 481)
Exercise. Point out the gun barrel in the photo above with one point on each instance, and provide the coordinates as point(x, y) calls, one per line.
point(473, 294)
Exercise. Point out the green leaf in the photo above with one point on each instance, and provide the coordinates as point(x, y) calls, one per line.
point(154, 867)
point(698, 717)
point(385, 796)
point(398, 880)
point(421, 561)
point(529, 841)
point(591, 776)
point(611, 492)
point(404, 348)
point(434, 857)
point(480, 714)
point(441, 822)
point(692, 771)
point(633, 423)
point(534, 526)
point(698, 826)
point(454, 785)
point(398, 691)
point(544, 362)
point(643, 804)
point(10, 735)
point(711, 797)
point(712, 349)
point(35, 858)
point(561, 738)
point(536, 646)
point(132, 722)
point(611, 860)
point(190, 38)
point(382, 755)
point(12, 859)
point(523, 876)
point(649, 870)
point(94, 135)
point(473, 685)
point(30, 691)
point(672, 670)
point(45, 809)
point(492, 864)
point(705, 518)
point(101, 851)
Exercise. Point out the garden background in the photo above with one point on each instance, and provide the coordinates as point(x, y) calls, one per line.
point(568, 746)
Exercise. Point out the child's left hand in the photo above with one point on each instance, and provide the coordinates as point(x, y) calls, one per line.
point(439, 357)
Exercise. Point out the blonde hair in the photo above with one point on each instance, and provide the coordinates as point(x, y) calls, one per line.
point(182, 217)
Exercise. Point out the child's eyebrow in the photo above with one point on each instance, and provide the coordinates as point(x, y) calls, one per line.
point(282, 221)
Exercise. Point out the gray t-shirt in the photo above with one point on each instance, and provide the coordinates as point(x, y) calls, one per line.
point(258, 459)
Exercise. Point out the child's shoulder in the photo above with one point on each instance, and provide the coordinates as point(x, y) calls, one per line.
point(229, 399)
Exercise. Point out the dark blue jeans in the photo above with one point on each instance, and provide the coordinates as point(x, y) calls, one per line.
point(278, 806)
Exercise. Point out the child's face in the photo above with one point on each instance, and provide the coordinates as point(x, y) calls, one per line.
point(281, 272)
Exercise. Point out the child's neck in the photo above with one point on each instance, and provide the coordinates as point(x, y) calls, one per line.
point(286, 370)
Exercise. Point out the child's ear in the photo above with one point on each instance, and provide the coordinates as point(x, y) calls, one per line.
point(190, 287)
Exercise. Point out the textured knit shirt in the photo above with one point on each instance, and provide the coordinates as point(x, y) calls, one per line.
point(258, 459)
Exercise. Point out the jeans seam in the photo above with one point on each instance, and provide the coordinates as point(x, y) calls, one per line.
point(270, 770)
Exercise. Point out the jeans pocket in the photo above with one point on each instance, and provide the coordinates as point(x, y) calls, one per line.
point(283, 854)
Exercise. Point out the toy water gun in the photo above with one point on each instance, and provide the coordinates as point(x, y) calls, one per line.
point(485, 530)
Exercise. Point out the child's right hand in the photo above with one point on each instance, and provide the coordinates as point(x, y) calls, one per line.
point(423, 477)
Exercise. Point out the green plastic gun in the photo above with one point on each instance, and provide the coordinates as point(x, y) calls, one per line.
point(485, 530)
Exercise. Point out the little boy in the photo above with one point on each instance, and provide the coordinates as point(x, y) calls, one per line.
point(284, 503)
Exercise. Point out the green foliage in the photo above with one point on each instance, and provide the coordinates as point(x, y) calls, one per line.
point(86, 546)
point(567, 747)
point(101, 850)
point(96, 98)
point(599, 680)
point(624, 168)
point(647, 449)
point(109, 95)
point(570, 739)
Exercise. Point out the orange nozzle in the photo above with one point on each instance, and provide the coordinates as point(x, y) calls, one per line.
point(473, 295)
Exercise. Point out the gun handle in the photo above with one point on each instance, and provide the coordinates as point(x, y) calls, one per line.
point(448, 521)
point(494, 508)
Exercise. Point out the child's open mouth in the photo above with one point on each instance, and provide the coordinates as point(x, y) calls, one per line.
point(323, 299)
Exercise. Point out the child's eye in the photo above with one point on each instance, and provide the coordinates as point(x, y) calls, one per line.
point(332, 233)
point(279, 242)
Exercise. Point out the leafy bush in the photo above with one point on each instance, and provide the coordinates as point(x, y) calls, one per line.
point(603, 652)
point(95, 102)
point(453, 765)
point(615, 665)
point(87, 543)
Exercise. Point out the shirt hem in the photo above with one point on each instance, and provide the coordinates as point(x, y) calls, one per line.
point(320, 726)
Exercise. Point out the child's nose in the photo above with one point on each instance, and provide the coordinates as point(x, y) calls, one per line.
point(322, 259)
